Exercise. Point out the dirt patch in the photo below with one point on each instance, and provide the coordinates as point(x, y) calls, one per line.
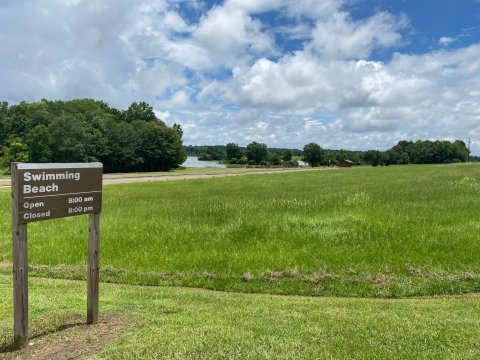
point(74, 341)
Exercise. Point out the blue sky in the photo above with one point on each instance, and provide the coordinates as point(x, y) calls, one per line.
point(354, 74)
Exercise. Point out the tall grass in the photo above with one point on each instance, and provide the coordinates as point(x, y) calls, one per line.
point(393, 231)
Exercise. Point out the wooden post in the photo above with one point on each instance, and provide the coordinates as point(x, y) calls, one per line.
point(20, 270)
point(93, 277)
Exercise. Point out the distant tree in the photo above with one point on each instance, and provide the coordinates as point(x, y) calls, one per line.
point(178, 129)
point(287, 155)
point(372, 157)
point(404, 158)
point(17, 124)
point(96, 146)
point(204, 157)
point(15, 151)
point(38, 114)
point(123, 143)
point(342, 155)
point(291, 163)
point(313, 154)
point(160, 147)
point(460, 150)
point(355, 157)
point(256, 152)
point(4, 107)
point(212, 153)
point(330, 158)
point(68, 138)
point(233, 151)
point(274, 158)
point(426, 152)
point(38, 145)
point(140, 111)
point(243, 160)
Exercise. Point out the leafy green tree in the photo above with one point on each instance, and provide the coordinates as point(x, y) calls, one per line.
point(372, 157)
point(161, 148)
point(88, 130)
point(233, 151)
point(212, 153)
point(426, 152)
point(39, 145)
point(256, 152)
point(291, 163)
point(178, 129)
point(15, 151)
point(3, 107)
point(274, 158)
point(38, 114)
point(460, 151)
point(96, 147)
point(313, 154)
point(68, 138)
point(287, 155)
point(341, 155)
point(204, 157)
point(330, 158)
point(140, 111)
point(404, 158)
point(243, 160)
point(17, 124)
point(123, 141)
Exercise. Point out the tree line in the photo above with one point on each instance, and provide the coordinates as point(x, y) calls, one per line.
point(130, 140)
point(254, 154)
point(405, 152)
point(87, 130)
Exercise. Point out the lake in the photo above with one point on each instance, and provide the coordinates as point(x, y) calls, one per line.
point(192, 161)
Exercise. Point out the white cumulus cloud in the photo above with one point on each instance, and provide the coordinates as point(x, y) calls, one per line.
point(277, 71)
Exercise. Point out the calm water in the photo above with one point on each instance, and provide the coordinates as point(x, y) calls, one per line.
point(192, 161)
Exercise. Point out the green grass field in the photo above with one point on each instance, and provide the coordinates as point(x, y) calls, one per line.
point(365, 234)
point(176, 323)
point(390, 231)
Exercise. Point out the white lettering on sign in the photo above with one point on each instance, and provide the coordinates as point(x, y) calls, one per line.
point(31, 216)
point(27, 176)
point(33, 205)
point(28, 189)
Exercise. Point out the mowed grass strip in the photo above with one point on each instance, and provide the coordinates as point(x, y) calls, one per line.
point(389, 231)
point(176, 323)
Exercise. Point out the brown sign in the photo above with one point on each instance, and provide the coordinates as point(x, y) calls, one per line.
point(49, 191)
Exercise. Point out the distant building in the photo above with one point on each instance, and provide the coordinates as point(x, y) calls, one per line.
point(345, 163)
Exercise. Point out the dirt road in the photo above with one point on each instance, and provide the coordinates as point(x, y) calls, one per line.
point(125, 178)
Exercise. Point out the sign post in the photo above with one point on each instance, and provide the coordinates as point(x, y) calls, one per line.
point(20, 270)
point(93, 278)
point(49, 191)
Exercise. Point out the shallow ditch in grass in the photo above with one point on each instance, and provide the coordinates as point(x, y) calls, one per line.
point(414, 281)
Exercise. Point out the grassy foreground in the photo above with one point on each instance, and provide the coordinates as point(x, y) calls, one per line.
point(391, 231)
point(176, 323)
